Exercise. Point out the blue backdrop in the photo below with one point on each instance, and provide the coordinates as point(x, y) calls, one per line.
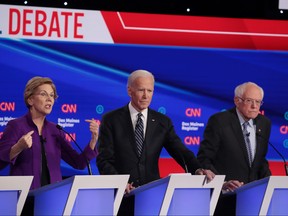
point(191, 84)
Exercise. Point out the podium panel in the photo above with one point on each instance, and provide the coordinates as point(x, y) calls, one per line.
point(13, 193)
point(178, 194)
point(8, 201)
point(198, 204)
point(81, 195)
point(86, 199)
point(267, 196)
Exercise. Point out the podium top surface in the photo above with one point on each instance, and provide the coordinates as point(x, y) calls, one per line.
point(181, 180)
point(274, 181)
point(85, 181)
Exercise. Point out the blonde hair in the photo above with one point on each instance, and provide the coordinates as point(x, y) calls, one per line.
point(33, 84)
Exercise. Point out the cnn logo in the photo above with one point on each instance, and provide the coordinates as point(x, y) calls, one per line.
point(69, 108)
point(192, 112)
point(7, 106)
point(68, 138)
point(190, 140)
point(284, 129)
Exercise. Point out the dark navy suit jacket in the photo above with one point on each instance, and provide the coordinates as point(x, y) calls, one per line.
point(117, 147)
point(223, 148)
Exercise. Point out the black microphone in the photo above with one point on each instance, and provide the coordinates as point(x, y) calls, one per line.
point(88, 163)
point(285, 164)
point(184, 162)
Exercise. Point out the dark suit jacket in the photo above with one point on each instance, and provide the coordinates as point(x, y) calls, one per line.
point(117, 147)
point(223, 148)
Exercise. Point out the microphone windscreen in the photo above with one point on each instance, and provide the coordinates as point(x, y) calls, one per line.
point(59, 127)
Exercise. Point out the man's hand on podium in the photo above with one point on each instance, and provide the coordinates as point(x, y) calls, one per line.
point(209, 175)
point(231, 185)
point(129, 188)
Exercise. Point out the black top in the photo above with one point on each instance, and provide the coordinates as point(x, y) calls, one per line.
point(45, 176)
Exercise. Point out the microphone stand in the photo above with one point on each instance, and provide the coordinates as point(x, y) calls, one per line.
point(285, 164)
point(88, 164)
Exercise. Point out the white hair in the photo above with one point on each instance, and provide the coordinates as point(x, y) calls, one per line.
point(138, 73)
point(240, 89)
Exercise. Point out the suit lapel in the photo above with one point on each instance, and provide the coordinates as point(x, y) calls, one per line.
point(151, 124)
point(126, 118)
point(258, 140)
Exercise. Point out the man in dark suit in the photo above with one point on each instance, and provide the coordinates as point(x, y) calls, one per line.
point(117, 148)
point(232, 149)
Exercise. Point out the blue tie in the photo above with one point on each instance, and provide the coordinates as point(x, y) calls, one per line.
point(139, 134)
point(247, 142)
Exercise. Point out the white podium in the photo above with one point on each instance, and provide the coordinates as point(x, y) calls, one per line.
point(267, 196)
point(81, 195)
point(13, 193)
point(178, 194)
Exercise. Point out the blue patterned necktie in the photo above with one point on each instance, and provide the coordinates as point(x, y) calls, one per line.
point(139, 134)
point(247, 142)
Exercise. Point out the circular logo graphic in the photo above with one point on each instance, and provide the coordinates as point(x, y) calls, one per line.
point(285, 143)
point(286, 115)
point(99, 109)
point(162, 110)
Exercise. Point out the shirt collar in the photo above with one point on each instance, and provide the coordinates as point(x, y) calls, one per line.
point(241, 119)
point(134, 112)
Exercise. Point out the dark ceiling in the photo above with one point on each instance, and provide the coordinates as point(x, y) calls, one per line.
point(263, 9)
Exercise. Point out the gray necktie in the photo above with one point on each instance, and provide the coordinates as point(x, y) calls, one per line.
point(139, 134)
point(247, 142)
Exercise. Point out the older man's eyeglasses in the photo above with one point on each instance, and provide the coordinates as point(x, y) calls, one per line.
point(249, 101)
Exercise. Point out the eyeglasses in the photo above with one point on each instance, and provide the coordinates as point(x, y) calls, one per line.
point(249, 101)
point(44, 94)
